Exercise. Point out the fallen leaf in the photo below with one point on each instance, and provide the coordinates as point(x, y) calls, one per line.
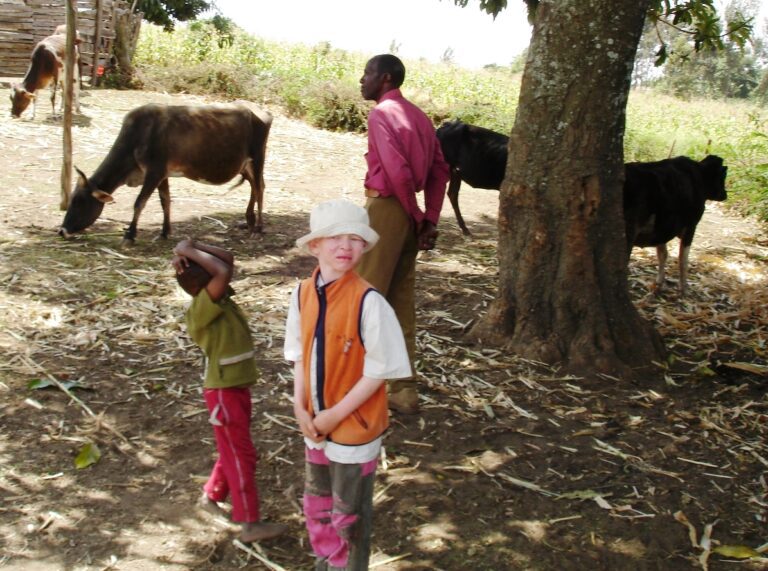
point(89, 454)
point(737, 551)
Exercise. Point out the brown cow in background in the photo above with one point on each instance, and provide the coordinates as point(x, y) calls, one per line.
point(46, 67)
point(205, 143)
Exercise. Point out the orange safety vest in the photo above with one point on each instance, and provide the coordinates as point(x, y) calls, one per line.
point(331, 317)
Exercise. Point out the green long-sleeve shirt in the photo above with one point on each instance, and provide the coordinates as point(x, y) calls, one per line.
point(221, 330)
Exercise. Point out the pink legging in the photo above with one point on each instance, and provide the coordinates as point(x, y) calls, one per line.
point(235, 469)
point(338, 505)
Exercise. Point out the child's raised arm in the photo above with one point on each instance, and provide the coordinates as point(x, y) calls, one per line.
point(224, 255)
point(214, 260)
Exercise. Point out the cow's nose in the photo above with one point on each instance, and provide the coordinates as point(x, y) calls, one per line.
point(63, 232)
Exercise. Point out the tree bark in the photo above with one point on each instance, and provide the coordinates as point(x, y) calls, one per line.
point(564, 293)
point(67, 94)
point(127, 26)
point(96, 45)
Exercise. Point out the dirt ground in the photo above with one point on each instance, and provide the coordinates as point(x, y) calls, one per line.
point(511, 465)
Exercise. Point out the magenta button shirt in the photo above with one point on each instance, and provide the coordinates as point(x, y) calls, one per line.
point(404, 156)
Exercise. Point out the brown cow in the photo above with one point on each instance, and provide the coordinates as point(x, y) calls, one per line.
point(61, 30)
point(46, 67)
point(206, 143)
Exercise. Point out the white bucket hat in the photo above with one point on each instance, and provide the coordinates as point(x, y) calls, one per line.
point(336, 217)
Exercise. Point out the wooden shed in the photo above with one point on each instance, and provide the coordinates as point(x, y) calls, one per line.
point(23, 23)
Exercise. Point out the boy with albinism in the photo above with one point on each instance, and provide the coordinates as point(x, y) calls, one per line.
point(217, 324)
point(345, 341)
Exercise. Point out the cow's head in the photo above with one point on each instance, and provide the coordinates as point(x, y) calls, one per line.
point(714, 174)
point(85, 206)
point(20, 99)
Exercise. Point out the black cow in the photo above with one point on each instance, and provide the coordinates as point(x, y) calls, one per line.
point(662, 199)
point(205, 143)
point(476, 155)
point(665, 199)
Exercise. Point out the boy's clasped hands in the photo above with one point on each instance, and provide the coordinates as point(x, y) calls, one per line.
point(318, 427)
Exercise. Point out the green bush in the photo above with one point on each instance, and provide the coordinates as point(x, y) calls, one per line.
point(226, 80)
point(336, 106)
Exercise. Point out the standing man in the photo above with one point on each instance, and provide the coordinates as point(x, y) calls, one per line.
point(404, 157)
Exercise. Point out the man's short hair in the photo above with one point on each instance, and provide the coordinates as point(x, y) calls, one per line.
point(194, 278)
point(388, 63)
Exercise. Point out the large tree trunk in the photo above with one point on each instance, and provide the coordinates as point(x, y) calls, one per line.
point(564, 295)
point(127, 26)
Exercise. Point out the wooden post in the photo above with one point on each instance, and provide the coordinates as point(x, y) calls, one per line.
point(69, 69)
point(96, 44)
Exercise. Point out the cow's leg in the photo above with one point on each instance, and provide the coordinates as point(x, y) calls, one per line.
point(453, 196)
point(258, 166)
point(260, 204)
point(254, 224)
point(254, 174)
point(55, 82)
point(164, 192)
point(683, 265)
point(686, 239)
point(34, 106)
point(661, 255)
point(151, 181)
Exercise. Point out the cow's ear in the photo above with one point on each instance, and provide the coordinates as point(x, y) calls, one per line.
point(82, 180)
point(102, 196)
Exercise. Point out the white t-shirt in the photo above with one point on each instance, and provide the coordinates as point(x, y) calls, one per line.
point(386, 357)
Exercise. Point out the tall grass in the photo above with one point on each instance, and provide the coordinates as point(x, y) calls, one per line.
point(320, 84)
point(659, 126)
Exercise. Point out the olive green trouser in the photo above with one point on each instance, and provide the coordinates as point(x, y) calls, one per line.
point(390, 267)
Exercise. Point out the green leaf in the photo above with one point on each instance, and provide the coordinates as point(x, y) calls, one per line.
point(705, 371)
point(89, 454)
point(37, 384)
point(737, 551)
point(579, 495)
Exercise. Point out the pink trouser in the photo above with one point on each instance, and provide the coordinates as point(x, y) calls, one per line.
point(338, 505)
point(235, 469)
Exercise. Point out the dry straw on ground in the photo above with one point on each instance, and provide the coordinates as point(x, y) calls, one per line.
point(512, 463)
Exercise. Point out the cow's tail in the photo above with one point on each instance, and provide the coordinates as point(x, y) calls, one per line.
point(246, 166)
point(238, 183)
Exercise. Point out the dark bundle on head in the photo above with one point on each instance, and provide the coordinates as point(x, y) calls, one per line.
point(194, 278)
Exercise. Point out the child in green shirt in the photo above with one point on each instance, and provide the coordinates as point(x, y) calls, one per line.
point(217, 324)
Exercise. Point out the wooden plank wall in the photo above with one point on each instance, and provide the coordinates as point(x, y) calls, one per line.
point(23, 23)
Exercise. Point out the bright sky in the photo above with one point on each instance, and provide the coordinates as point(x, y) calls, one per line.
point(421, 28)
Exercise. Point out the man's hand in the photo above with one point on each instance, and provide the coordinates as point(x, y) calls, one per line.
point(427, 235)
